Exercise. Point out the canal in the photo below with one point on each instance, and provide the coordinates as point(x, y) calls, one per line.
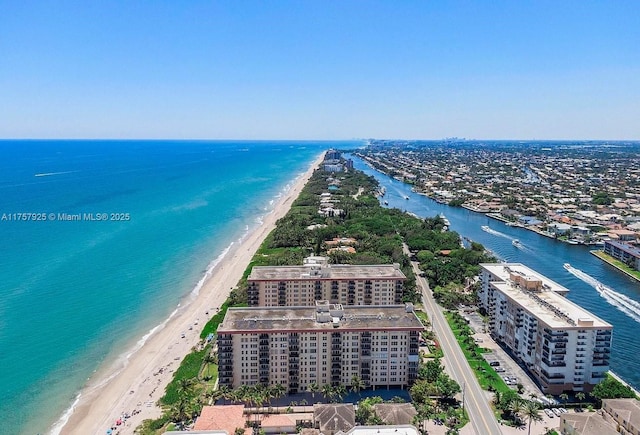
point(619, 306)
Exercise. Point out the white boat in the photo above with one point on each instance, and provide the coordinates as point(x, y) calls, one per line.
point(600, 288)
point(566, 266)
point(485, 228)
point(516, 243)
point(445, 220)
point(406, 197)
point(386, 202)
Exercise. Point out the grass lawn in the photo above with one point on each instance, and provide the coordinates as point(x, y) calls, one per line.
point(210, 371)
point(617, 264)
point(423, 317)
point(485, 374)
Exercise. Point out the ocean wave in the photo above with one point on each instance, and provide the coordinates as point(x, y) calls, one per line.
point(49, 174)
point(197, 203)
point(121, 363)
point(64, 418)
point(123, 360)
point(209, 270)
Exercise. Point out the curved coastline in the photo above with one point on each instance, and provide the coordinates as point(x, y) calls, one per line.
point(136, 380)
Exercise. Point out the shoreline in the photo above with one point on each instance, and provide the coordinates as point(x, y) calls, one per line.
point(136, 387)
point(604, 257)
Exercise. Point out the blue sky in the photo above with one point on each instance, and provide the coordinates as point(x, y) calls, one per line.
point(320, 69)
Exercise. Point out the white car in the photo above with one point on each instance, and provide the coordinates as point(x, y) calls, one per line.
point(556, 411)
point(549, 413)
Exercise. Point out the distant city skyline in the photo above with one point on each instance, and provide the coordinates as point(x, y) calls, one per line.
point(320, 70)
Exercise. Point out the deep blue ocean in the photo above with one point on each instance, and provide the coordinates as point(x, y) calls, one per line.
point(76, 295)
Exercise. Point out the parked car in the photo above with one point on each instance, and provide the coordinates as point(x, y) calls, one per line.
point(556, 411)
point(549, 413)
point(494, 363)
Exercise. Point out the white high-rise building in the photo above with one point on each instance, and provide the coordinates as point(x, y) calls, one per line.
point(565, 347)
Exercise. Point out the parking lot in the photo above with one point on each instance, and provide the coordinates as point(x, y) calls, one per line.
point(503, 364)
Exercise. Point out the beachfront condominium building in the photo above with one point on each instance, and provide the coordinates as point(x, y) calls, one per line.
point(323, 344)
point(565, 347)
point(316, 279)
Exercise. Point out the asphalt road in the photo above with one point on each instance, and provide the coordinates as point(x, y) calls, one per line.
point(475, 403)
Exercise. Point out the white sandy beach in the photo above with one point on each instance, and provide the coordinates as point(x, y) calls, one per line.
point(142, 382)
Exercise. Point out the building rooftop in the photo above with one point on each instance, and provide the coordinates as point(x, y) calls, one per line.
point(324, 316)
point(395, 413)
point(589, 423)
point(317, 272)
point(334, 417)
point(630, 249)
point(504, 271)
point(404, 429)
point(625, 409)
point(221, 417)
point(541, 297)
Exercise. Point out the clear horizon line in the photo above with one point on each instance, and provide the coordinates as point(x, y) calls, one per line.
point(132, 139)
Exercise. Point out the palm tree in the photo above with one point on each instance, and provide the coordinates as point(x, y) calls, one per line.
point(208, 360)
point(340, 391)
point(185, 386)
point(212, 395)
point(564, 397)
point(328, 392)
point(497, 398)
point(178, 411)
point(531, 411)
point(313, 388)
point(278, 390)
point(260, 395)
point(224, 391)
point(357, 384)
point(515, 408)
point(241, 394)
point(580, 396)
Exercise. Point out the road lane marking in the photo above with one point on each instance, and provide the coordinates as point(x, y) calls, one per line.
point(442, 323)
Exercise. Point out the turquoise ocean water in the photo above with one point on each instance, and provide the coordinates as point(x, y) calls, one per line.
point(76, 295)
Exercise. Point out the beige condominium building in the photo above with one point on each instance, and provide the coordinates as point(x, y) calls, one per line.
point(323, 344)
point(565, 347)
point(273, 286)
